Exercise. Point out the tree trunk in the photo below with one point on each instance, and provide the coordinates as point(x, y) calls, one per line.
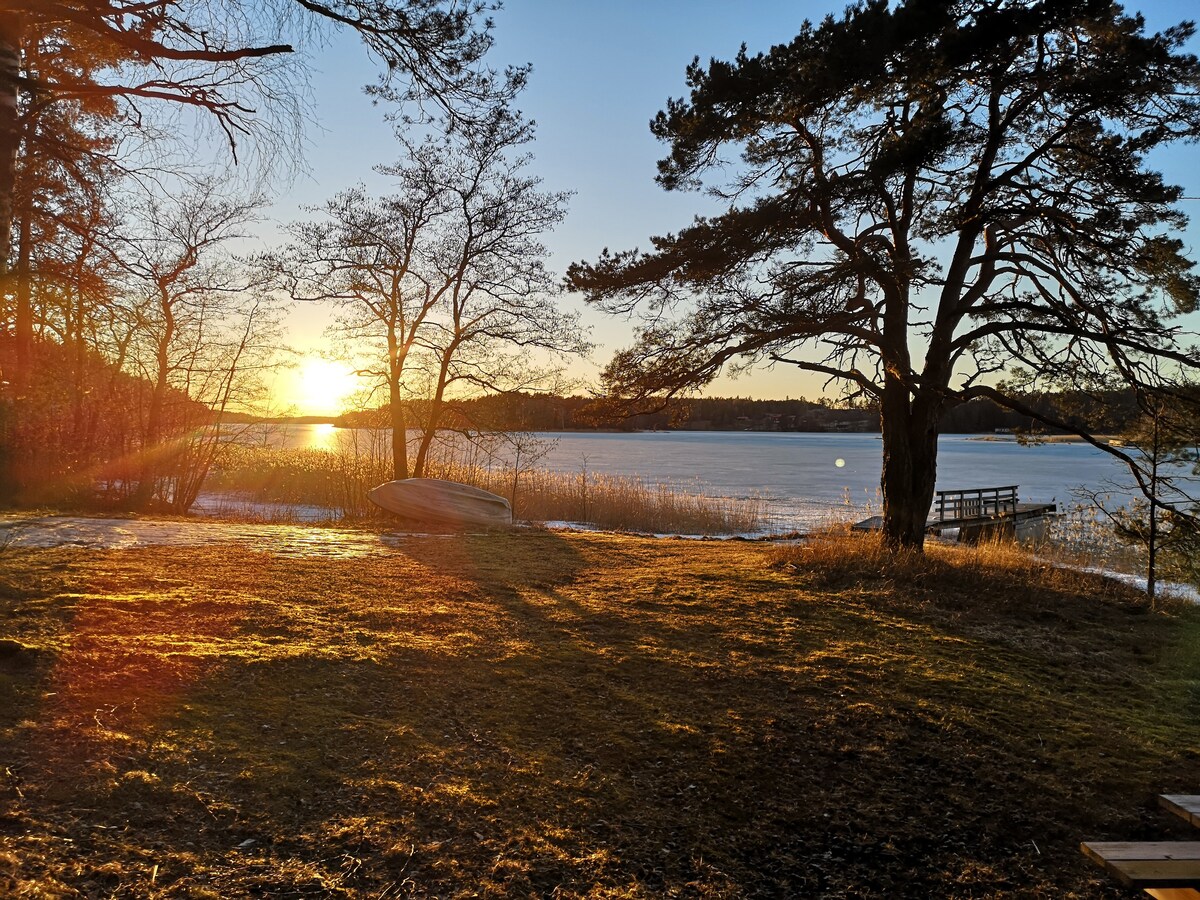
point(152, 449)
point(399, 437)
point(427, 436)
point(396, 408)
point(399, 434)
point(27, 456)
point(436, 405)
point(909, 466)
point(1152, 546)
point(14, 371)
point(10, 138)
point(151, 443)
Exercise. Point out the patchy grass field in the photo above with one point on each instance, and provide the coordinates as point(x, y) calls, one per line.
point(569, 715)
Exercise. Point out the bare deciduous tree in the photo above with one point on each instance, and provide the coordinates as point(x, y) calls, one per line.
point(232, 62)
point(202, 325)
point(445, 279)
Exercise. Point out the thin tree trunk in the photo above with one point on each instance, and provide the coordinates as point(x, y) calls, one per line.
point(399, 420)
point(22, 276)
point(435, 414)
point(152, 437)
point(399, 434)
point(427, 435)
point(28, 456)
point(79, 359)
point(151, 444)
point(10, 139)
point(16, 371)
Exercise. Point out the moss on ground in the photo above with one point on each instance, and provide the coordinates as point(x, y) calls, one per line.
point(579, 715)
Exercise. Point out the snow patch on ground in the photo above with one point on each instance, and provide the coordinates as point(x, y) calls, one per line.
point(108, 534)
point(1162, 588)
point(231, 505)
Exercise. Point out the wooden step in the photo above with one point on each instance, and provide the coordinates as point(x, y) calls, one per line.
point(1186, 806)
point(1149, 864)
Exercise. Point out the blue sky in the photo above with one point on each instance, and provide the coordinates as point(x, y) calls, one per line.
point(600, 72)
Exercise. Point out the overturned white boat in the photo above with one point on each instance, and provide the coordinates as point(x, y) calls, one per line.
point(442, 502)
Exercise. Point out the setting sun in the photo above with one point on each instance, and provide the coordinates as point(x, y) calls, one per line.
point(321, 386)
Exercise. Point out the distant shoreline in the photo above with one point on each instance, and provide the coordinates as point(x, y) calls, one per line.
point(1044, 438)
point(968, 435)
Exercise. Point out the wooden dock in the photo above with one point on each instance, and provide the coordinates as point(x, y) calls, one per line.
point(979, 513)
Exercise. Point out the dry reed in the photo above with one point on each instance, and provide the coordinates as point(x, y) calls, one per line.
point(338, 480)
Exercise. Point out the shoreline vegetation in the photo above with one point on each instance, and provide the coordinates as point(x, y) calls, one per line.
point(1046, 438)
point(306, 486)
point(253, 481)
point(339, 481)
point(582, 714)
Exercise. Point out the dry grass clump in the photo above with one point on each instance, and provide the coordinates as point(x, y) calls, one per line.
point(579, 716)
point(837, 554)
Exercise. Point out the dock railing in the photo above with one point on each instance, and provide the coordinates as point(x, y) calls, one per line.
point(978, 503)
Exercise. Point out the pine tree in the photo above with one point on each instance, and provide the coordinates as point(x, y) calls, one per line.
point(927, 192)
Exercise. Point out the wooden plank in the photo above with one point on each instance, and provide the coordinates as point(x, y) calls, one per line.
point(1122, 850)
point(1157, 872)
point(1173, 893)
point(1186, 806)
point(1157, 864)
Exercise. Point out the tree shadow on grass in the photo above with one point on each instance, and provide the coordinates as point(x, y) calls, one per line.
point(533, 714)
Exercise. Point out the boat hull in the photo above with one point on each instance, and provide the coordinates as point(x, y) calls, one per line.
point(442, 502)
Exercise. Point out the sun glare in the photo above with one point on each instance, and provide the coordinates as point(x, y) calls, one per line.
point(323, 386)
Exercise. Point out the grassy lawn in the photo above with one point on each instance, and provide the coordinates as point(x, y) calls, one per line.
point(568, 715)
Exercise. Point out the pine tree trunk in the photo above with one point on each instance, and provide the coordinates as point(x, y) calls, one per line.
point(909, 467)
point(1152, 546)
point(14, 371)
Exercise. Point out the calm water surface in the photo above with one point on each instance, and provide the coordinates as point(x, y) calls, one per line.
point(803, 476)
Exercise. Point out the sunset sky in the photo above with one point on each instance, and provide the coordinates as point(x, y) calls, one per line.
point(600, 72)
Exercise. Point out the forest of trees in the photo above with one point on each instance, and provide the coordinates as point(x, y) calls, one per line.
point(128, 323)
point(1109, 413)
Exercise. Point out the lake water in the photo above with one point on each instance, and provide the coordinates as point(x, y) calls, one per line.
point(802, 477)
